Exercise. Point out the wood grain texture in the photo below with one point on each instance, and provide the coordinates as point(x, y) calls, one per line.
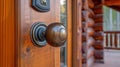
point(98, 27)
point(98, 45)
point(30, 55)
point(111, 2)
point(7, 45)
point(98, 9)
point(70, 35)
point(91, 4)
point(98, 36)
point(77, 31)
point(87, 39)
point(99, 54)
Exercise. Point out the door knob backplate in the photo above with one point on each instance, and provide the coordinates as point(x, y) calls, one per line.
point(37, 34)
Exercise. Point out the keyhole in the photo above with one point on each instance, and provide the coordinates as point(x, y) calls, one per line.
point(44, 2)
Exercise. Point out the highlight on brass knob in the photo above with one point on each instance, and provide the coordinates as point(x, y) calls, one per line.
point(54, 34)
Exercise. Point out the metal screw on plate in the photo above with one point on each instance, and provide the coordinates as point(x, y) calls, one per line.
point(44, 2)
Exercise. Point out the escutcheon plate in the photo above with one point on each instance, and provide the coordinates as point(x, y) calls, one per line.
point(37, 34)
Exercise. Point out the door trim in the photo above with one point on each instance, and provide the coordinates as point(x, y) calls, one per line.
point(77, 33)
point(69, 30)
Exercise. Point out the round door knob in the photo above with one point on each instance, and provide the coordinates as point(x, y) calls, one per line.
point(55, 34)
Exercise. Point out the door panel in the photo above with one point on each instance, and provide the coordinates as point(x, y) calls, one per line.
point(30, 55)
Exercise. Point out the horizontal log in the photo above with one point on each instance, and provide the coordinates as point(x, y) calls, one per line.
point(90, 22)
point(91, 4)
point(83, 58)
point(90, 52)
point(84, 14)
point(98, 10)
point(98, 36)
point(91, 13)
point(99, 54)
point(83, 24)
point(90, 62)
point(90, 31)
point(84, 4)
point(87, 45)
point(90, 42)
point(98, 24)
point(88, 13)
point(84, 49)
point(98, 6)
point(111, 2)
point(83, 29)
point(98, 45)
point(83, 18)
point(98, 18)
point(98, 27)
point(97, 2)
point(84, 37)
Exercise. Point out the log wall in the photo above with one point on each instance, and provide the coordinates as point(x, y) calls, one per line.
point(92, 32)
point(88, 33)
point(98, 27)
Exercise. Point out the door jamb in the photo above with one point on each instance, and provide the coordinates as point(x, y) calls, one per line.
point(77, 33)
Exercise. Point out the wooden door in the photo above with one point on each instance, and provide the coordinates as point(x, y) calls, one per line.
point(30, 55)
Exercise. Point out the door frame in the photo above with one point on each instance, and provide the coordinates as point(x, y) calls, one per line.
point(77, 33)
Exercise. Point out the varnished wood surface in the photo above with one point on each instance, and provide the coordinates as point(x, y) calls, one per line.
point(77, 33)
point(98, 45)
point(48, 56)
point(29, 54)
point(111, 2)
point(16, 48)
point(7, 45)
point(70, 35)
point(99, 54)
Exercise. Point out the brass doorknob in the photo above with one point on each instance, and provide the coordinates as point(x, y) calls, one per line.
point(55, 34)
